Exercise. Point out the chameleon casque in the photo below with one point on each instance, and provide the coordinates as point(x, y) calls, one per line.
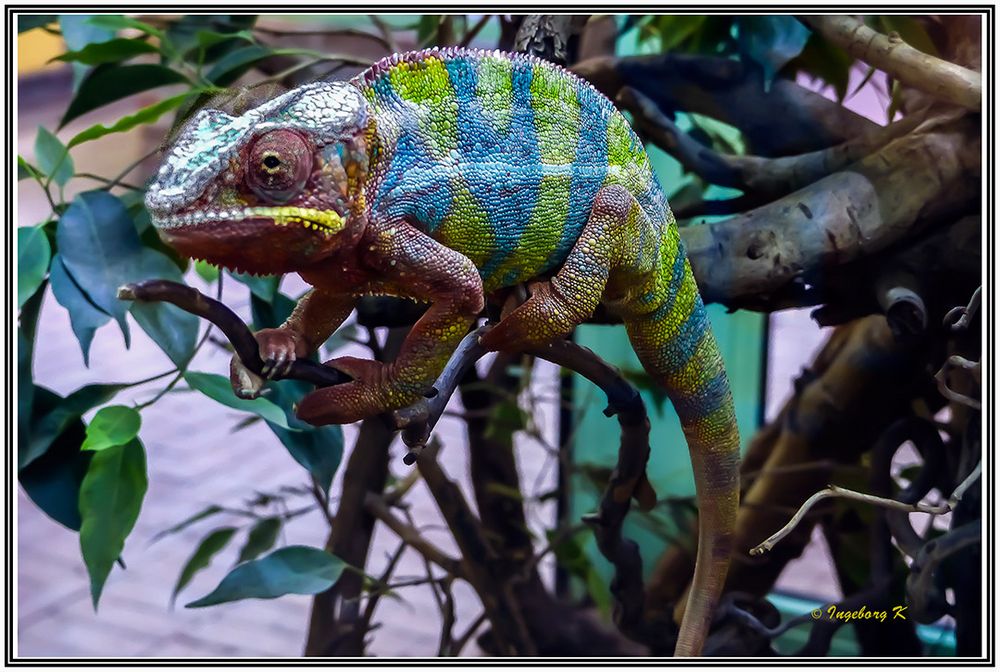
point(446, 175)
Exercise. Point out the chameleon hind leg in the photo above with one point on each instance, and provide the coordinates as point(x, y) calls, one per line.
point(558, 305)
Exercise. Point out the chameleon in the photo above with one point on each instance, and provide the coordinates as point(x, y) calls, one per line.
point(449, 176)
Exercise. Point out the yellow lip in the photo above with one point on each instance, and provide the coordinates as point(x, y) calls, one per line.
point(327, 222)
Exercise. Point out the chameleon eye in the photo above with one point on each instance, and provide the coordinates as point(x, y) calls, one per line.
point(278, 165)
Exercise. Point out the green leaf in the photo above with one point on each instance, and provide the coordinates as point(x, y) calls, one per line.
point(208, 511)
point(298, 570)
point(53, 157)
point(27, 327)
point(202, 557)
point(113, 51)
point(262, 537)
point(219, 388)
point(675, 29)
point(110, 499)
point(270, 314)
point(231, 66)
point(115, 22)
point(77, 33)
point(206, 271)
point(33, 256)
point(100, 249)
point(911, 30)
point(25, 170)
point(318, 449)
point(263, 286)
point(63, 412)
point(110, 82)
point(146, 115)
point(209, 38)
point(112, 426)
point(29, 22)
point(53, 480)
point(427, 29)
point(186, 33)
point(771, 41)
point(85, 318)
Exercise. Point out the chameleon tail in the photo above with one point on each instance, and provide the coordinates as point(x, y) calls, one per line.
point(676, 346)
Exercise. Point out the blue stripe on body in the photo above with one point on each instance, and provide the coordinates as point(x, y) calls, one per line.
point(411, 186)
point(676, 278)
point(516, 194)
point(703, 401)
point(686, 339)
point(589, 169)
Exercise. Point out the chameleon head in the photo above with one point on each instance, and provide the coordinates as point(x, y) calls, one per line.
point(271, 190)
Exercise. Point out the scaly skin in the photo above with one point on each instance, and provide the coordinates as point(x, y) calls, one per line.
point(445, 176)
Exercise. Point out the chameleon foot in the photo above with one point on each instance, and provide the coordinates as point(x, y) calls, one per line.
point(373, 391)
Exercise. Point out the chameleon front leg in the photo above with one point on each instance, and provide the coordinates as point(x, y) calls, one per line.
point(317, 315)
point(412, 264)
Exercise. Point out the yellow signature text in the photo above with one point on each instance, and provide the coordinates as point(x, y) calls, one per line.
point(862, 613)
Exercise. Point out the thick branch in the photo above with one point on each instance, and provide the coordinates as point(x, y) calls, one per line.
point(914, 68)
point(913, 181)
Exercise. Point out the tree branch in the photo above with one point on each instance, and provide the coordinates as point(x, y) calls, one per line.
point(941, 79)
point(376, 506)
point(836, 491)
point(770, 177)
point(731, 92)
point(913, 181)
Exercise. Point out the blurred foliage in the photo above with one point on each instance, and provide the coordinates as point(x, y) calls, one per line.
point(91, 477)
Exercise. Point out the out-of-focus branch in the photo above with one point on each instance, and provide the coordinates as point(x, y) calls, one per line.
point(731, 92)
point(914, 68)
point(768, 177)
point(336, 626)
point(509, 630)
point(377, 507)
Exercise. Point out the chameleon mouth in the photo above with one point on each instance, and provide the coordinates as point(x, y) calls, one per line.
point(326, 222)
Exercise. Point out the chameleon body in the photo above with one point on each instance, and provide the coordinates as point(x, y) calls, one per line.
point(446, 176)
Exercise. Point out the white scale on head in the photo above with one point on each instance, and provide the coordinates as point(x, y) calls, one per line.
point(326, 111)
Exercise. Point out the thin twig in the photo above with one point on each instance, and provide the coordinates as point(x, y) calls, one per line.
point(836, 491)
point(384, 585)
point(377, 508)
